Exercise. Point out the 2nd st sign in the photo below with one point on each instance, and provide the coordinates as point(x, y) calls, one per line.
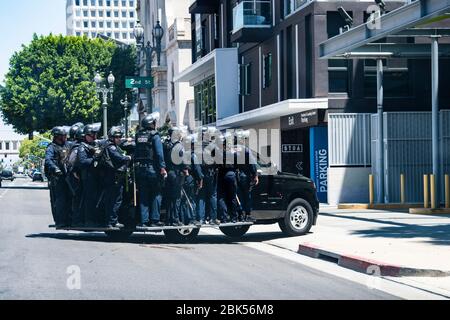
point(139, 82)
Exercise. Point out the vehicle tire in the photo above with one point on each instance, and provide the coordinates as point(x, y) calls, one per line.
point(235, 232)
point(182, 235)
point(298, 219)
point(118, 235)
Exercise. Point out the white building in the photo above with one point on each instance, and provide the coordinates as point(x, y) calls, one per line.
point(173, 100)
point(10, 143)
point(112, 18)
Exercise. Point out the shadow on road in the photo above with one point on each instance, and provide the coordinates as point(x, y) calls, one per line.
point(139, 238)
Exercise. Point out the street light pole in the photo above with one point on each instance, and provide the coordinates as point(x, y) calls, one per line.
point(157, 34)
point(125, 105)
point(104, 91)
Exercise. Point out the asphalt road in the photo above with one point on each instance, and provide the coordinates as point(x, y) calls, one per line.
point(35, 261)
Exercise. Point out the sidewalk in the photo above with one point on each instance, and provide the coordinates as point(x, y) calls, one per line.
point(415, 248)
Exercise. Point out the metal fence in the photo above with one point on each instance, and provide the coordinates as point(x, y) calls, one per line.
point(349, 139)
point(408, 151)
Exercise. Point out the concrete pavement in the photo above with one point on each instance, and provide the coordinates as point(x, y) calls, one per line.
point(39, 263)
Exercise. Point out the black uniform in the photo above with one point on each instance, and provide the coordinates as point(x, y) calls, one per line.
point(114, 181)
point(227, 187)
point(90, 179)
point(149, 160)
point(175, 181)
point(59, 191)
point(207, 197)
point(189, 199)
point(246, 174)
point(74, 182)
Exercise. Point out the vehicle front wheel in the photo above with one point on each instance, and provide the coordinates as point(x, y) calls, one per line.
point(182, 235)
point(235, 232)
point(298, 219)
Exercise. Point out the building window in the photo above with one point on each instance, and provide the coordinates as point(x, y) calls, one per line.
point(116, 3)
point(100, 3)
point(78, 34)
point(131, 14)
point(100, 14)
point(124, 3)
point(101, 24)
point(93, 24)
point(14, 145)
point(1, 145)
point(132, 4)
point(338, 70)
point(291, 6)
point(108, 24)
point(116, 25)
point(85, 3)
point(6, 145)
point(108, 14)
point(124, 24)
point(205, 101)
point(93, 3)
point(78, 13)
point(244, 79)
point(116, 14)
point(77, 2)
point(132, 25)
point(124, 35)
point(108, 3)
point(267, 70)
point(124, 14)
point(116, 35)
point(86, 24)
point(78, 24)
point(395, 78)
point(85, 13)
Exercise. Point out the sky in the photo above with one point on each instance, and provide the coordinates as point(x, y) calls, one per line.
point(19, 19)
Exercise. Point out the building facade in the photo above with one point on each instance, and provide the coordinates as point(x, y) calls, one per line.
point(10, 143)
point(110, 18)
point(256, 65)
point(170, 98)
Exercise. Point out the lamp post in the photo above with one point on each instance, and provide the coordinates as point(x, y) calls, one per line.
point(104, 91)
point(157, 33)
point(125, 105)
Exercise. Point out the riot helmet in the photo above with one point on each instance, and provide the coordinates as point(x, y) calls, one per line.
point(74, 129)
point(92, 129)
point(59, 131)
point(149, 122)
point(115, 132)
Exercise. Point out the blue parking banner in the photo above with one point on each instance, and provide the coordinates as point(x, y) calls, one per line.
point(319, 161)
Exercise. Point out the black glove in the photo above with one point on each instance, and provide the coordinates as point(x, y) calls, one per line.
point(58, 172)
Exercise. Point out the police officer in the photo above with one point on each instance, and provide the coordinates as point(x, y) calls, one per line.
point(207, 197)
point(177, 171)
point(227, 182)
point(150, 170)
point(114, 177)
point(247, 175)
point(192, 185)
point(55, 170)
point(73, 173)
point(88, 154)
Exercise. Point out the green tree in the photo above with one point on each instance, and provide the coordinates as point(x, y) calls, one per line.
point(50, 82)
point(35, 147)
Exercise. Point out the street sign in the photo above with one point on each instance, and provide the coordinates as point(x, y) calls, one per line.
point(139, 82)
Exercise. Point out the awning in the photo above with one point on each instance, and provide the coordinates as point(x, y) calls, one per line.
point(273, 111)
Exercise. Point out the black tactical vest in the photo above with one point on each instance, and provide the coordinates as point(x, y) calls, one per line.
point(144, 146)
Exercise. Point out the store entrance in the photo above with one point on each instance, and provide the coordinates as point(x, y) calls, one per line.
point(295, 151)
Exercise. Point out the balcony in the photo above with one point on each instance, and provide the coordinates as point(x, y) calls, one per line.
point(252, 21)
point(204, 6)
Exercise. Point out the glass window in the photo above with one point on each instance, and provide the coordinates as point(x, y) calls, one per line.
point(131, 14)
point(6, 145)
point(100, 14)
point(116, 25)
point(93, 3)
point(108, 3)
point(267, 70)
point(116, 14)
point(245, 79)
point(85, 2)
point(100, 3)
point(124, 24)
point(77, 2)
point(108, 24)
point(108, 14)
point(78, 34)
point(132, 25)
point(124, 3)
point(116, 3)
point(101, 24)
point(78, 13)
point(116, 35)
point(205, 101)
point(93, 24)
point(86, 24)
point(132, 4)
point(93, 13)
point(124, 14)
point(291, 6)
point(124, 35)
point(395, 78)
point(85, 13)
point(1, 145)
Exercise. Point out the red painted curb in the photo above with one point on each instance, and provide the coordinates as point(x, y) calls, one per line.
point(367, 266)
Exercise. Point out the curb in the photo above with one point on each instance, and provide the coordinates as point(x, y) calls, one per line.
point(385, 206)
point(367, 266)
